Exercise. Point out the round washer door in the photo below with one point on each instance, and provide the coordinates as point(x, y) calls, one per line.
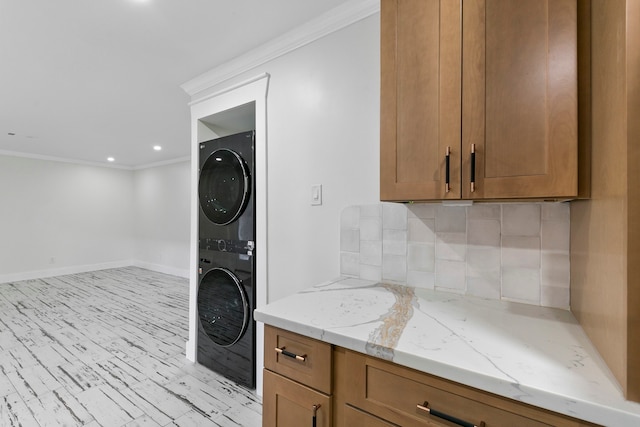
point(223, 307)
point(223, 188)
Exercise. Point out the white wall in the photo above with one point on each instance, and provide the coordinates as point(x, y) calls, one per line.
point(62, 218)
point(161, 218)
point(322, 128)
point(323, 122)
point(58, 218)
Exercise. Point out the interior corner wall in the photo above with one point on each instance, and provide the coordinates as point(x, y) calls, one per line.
point(161, 228)
point(61, 218)
point(322, 128)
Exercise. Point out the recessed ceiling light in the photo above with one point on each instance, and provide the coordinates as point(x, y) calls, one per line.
point(157, 147)
point(111, 159)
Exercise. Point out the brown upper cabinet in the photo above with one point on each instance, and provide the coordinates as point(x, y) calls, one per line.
point(479, 99)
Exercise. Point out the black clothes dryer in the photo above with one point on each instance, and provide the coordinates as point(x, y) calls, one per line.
point(226, 229)
point(226, 187)
point(226, 328)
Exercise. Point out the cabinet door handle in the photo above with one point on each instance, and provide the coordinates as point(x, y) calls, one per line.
point(425, 408)
point(284, 352)
point(473, 168)
point(447, 159)
point(315, 415)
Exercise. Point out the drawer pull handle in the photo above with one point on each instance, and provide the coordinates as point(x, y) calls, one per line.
point(315, 413)
point(425, 408)
point(473, 168)
point(447, 173)
point(291, 355)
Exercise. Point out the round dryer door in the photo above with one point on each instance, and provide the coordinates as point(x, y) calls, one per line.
point(223, 307)
point(224, 186)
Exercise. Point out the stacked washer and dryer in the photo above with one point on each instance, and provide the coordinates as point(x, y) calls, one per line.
point(226, 286)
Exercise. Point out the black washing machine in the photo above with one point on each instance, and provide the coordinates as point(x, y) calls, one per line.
point(226, 329)
point(226, 228)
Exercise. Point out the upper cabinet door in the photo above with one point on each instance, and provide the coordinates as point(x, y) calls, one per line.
point(492, 82)
point(420, 99)
point(520, 99)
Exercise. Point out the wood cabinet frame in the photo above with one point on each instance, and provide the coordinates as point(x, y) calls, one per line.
point(452, 88)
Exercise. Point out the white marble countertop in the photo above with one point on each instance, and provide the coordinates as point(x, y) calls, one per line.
point(535, 355)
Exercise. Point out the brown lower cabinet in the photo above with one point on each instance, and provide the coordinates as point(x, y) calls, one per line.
point(297, 380)
point(356, 417)
point(366, 391)
point(396, 395)
point(287, 403)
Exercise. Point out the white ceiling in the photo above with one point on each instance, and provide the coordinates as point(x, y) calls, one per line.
point(83, 80)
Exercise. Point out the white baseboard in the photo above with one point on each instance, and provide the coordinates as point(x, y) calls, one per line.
point(61, 271)
point(174, 271)
point(75, 269)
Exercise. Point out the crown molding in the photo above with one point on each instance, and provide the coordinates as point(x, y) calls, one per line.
point(162, 163)
point(327, 23)
point(61, 160)
point(230, 88)
point(94, 164)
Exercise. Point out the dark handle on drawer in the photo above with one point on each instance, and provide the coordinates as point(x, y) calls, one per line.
point(291, 355)
point(425, 407)
point(473, 168)
point(447, 158)
point(315, 411)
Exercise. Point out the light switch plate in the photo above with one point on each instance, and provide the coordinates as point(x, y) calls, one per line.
point(316, 195)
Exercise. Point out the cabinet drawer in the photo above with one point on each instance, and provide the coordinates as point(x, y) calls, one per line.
point(398, 395)
point(354, 417)
point(311, 368)
point(290, 404)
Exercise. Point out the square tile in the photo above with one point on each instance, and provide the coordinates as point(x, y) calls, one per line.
point(521, 285)
point(394, 268)
point(394, 242)
point(483, 232)
point(483, 287)
point(521, 219)
point(518, 251)
point(551, 296)
point(371, 252)
point(560, 211)
point(555, 270)
point(483, 261)
point(555, 236)
point(369, 211)
point(451, 246)
point(484, 211)
point(450, 276)
point(350, 240)
point(421, 279)
point(421, 230)
point(394, 216)
point(421, 257)
point(451, 219)
point(370, 228)
point(370, 272)
point(349, 264)
point(350, 217)
point(422, 210)
point(483, 272)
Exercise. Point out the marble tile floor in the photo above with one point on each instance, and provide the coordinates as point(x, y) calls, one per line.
point(106, 348)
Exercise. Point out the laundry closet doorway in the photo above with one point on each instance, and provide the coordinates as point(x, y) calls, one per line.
point(239, 108)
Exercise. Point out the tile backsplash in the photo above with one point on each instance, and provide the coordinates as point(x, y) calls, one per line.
point(512, 251)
